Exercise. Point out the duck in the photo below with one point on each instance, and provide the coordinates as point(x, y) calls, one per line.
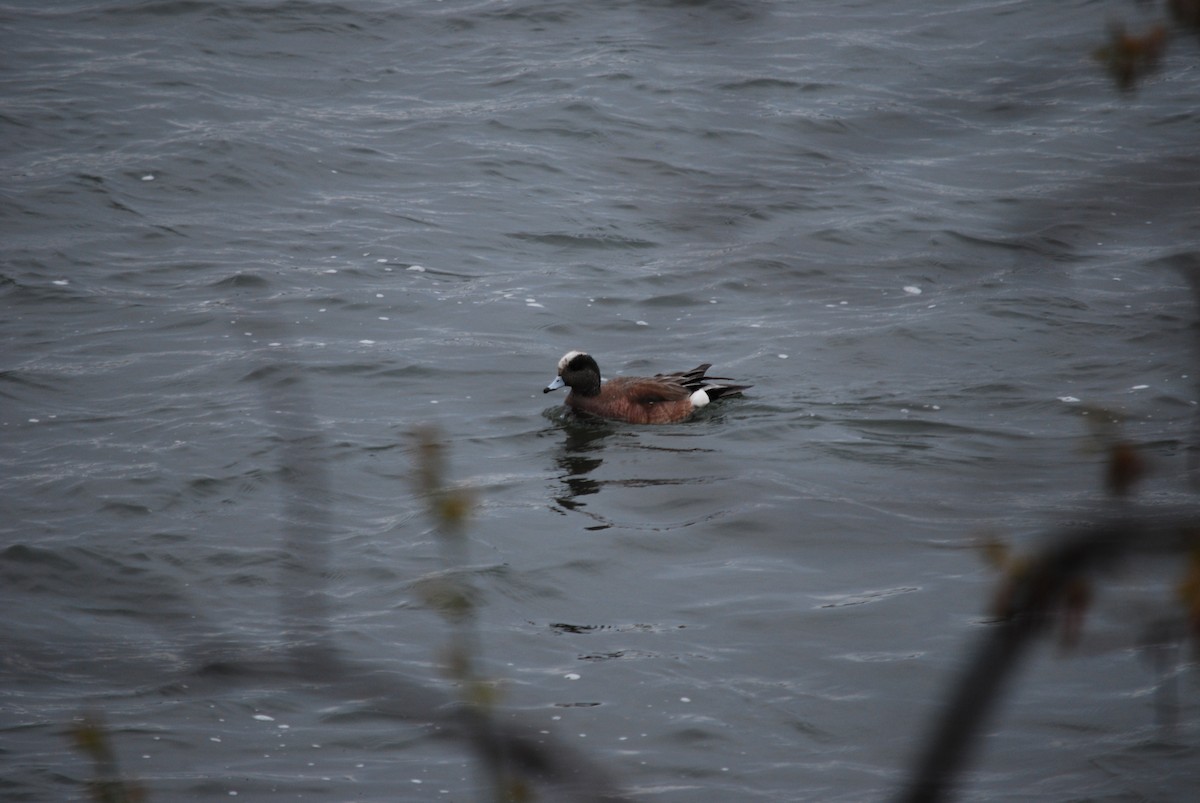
point(658, 399)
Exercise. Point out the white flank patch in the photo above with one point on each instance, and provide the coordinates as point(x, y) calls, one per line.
point(699, 399)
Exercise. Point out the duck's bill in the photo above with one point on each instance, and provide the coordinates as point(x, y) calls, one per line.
point(555, 385)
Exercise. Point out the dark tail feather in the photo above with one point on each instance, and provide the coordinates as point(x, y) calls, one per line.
point(718, 391)
point(695, 379)
point(691, 378)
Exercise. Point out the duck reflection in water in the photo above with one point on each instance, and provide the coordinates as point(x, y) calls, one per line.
point(663, 398)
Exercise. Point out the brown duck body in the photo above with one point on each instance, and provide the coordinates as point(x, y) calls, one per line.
point(660, 399)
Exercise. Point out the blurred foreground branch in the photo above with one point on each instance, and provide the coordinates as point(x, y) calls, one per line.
point(516, 756)
point(1130, 57)
point(452, 596)
point(93, 739)
point(519, 756)
point(1047, 586)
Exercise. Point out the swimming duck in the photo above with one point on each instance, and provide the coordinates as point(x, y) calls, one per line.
point(658, 399)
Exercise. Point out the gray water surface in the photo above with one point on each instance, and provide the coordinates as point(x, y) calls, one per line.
point(248, 248)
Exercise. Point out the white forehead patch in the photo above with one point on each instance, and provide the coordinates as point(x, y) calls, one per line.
point(566, 358)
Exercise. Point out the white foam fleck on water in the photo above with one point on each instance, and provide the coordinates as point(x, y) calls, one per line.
point(1068, 399)
point(416, 268)
point(148, 177)
point(572, 676)
point(912, 290)
point(264, 718)
point(1139, 387)
point(367, 342)
point(782, 356)
point(641, 323)
point(60, 282)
